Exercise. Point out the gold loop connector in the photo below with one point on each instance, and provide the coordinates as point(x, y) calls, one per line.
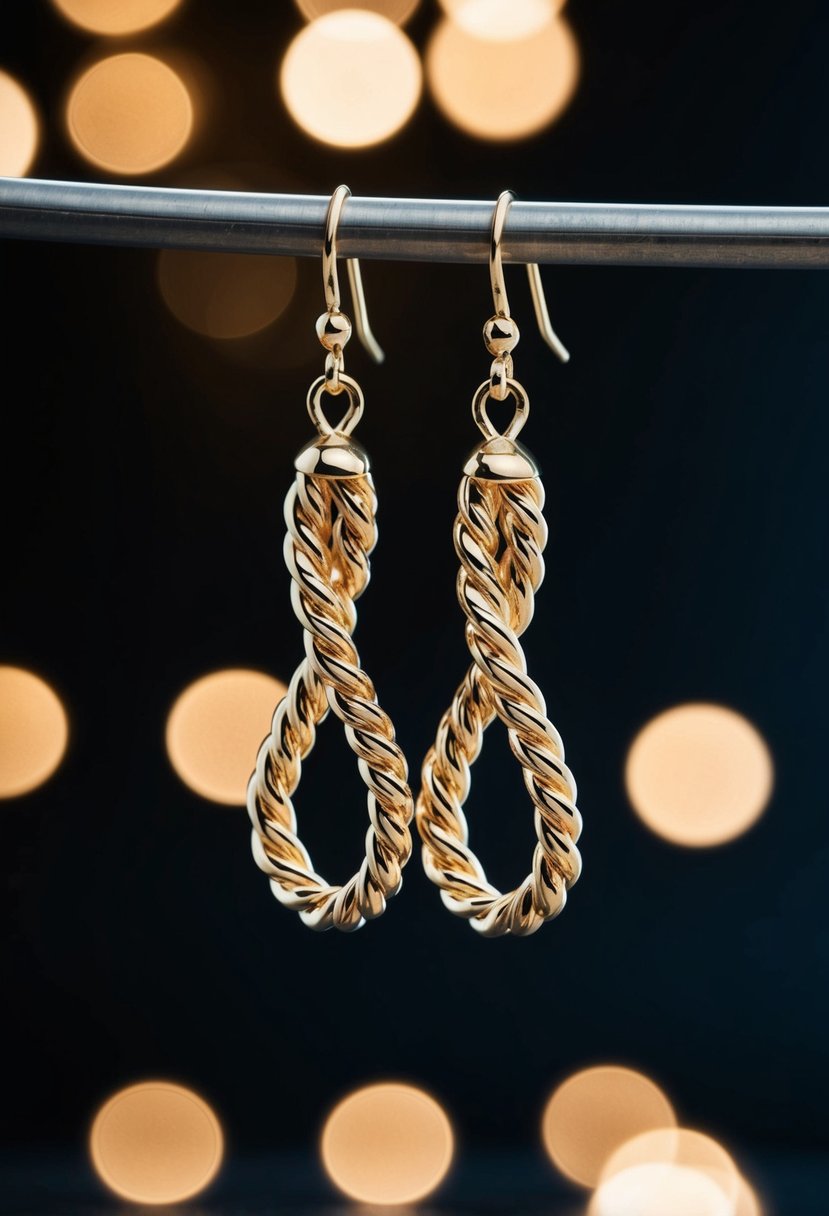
point(519, 417)
point(499, 375)
point(353, 413)
point(334, 369)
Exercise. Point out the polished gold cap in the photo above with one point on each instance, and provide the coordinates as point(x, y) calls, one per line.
point(334, 455)
point(501, 459)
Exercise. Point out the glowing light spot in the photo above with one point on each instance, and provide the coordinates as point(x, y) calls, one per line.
point(660, 1190)
point(747, 1204)
point(677, 1147)
point(502, 91)
point(116, 16)
point(699, 775)
point(351, 79)
point(34, 731)
point(398, 11)
point(215, 728)
point(19, 128)
point(225, 295)
point(595, 1111)
point(387, 1144)
point(130, 114)
point(156, 1143)
point(492, 19)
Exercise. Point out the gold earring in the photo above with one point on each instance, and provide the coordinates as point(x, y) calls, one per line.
point(500, 535)
point(330, 516)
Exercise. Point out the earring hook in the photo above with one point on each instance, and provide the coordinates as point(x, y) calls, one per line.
point(331, 282)
point(499, 287)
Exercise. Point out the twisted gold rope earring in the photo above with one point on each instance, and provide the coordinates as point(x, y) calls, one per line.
point(330, 516)
point(500, 536)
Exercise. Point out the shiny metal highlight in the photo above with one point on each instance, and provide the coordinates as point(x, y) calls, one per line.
point(330, 513)
point(499, 286)
point(331, 533)
point(501, 333)
point(364, 330)
point(500, 536)
point(330, 278)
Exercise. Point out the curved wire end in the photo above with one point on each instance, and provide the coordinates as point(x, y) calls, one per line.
point(542, 314)
point(361, 321)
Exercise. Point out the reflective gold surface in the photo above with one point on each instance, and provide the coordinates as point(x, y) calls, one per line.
point(330, 515)
point(500, 536)
point(331, 532)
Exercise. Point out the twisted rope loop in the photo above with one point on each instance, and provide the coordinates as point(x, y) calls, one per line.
point(331, 533)
point(500, 536)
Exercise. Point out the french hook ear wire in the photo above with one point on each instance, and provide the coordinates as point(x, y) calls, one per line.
point(331, 282)
point(499, 288)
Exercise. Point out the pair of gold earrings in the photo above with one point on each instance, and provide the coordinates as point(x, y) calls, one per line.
point(500, 536)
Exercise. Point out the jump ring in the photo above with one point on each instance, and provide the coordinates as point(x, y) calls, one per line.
point(333, 371)
point(500, 373)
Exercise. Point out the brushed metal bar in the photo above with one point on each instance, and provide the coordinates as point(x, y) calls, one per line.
point(427, 230)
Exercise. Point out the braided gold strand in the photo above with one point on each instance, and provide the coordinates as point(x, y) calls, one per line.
point(330, 516)
point(500, 536)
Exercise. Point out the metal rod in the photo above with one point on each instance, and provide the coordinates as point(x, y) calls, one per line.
point(427, 230)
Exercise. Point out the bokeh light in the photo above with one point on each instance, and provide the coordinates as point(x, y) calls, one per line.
point(214, 730)
point(225, 295)
point(130, 114)
point(699, 774)
point(492, 19)
point(594, 1112)
point(387, 1144)
point(502, 91)
point(747, 1202)
point(19, 128)
point(34, 731)
point(156, 1143)
point(660, 1190)
point(351, 79)
point(395, 10)
point(116, 17)
point(677, 1146)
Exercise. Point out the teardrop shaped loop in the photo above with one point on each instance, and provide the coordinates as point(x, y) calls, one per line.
point(353, 412)
point(331, 532)
point(500, 536)
point(519, 417)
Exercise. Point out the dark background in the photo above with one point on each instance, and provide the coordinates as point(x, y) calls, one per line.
point(684, 453)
